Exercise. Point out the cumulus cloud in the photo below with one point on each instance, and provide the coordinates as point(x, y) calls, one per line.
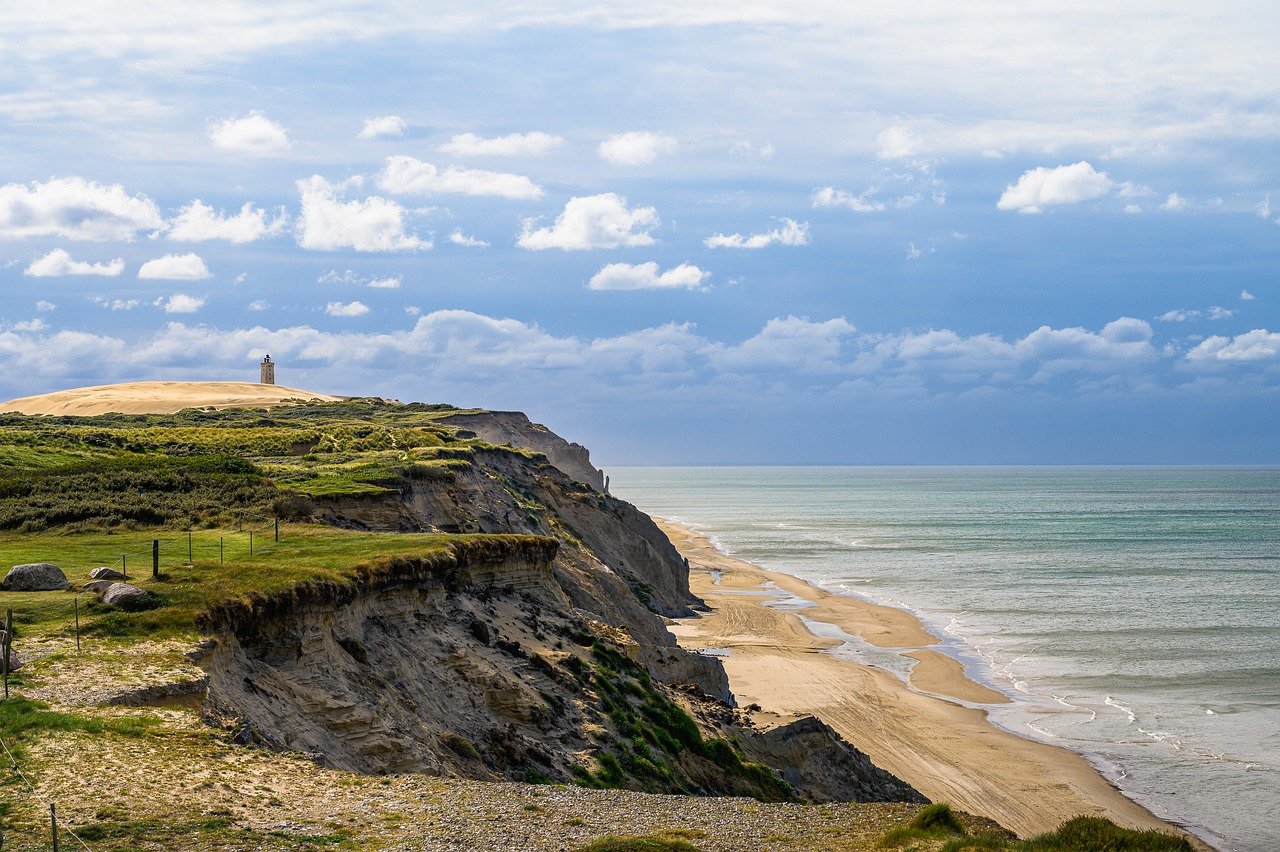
point(1133, 209)
point(829, 196)
point(115, 304)
point(746, 148)
point(257, 305)
point(645, 276)
point(791, 233)
point(328, 223)
point(1178, 315)
point(252, 134)
point(333, 276)
point(198, 222)
point(593, 222)
point(1256, 345)
point(45, 305)
point(59, 262)
point(1176, 202)
point(635, 148)
point(175, 267)
point(898, 143)
point(36, 324)
point(383, 127)
point(410, 176)
point(387, 282)
point(1217, 312)
point(1043, 187)
point(532, 144)
point(1246, 296)
point(346, 309)
point(180, 303)
point(76, 209)
point(460, 239)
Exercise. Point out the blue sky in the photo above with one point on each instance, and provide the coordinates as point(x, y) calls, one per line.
point(761, 233)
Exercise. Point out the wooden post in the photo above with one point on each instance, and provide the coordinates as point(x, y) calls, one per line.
point(155, 558)
point(220, 550)
point(77, 599)
point(189, 559)
point(53, 824)
point(250, 542)
point(277, 529)
point(124, 568)
point(8, 649)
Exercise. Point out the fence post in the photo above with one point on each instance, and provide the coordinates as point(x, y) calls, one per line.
point(53, 824)
point(189, 559)
point(220, 539)
point(277, 529)
point(124, 567)
point(250, 542)
point(77, 599)
point(155, 558)
point(4, 652)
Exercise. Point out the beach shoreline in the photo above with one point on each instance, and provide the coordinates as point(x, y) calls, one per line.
point(775, 634)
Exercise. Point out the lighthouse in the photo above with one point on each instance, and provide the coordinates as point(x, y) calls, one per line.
point(267, 373)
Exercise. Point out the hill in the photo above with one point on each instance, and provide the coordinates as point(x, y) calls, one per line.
point(159, 398)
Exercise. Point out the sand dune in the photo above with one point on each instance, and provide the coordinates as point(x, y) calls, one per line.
point(159, 398)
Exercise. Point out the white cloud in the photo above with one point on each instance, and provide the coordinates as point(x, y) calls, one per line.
point(31, 325)
point(1217, 312)
point(1256, 345)
point(1133, 209)
point(388, 282)
point(746, 148)
point(1176, 202)
point(792, 233)
point(413, 310)
point(76, 209)
point(410, 176)
point(45, 305)
point(635, 148)
point(198, 222)
point(645, 276)
point(461, 239)
point(829, 196)
point(252, 134)
point(1128, 190)
point(59, 262)
point(1178, 316)
point(349, 276)
point(915, 252)
point(328, 223)
point(593, 222)
point(115, 304)
point(175, 267)
point(898, 143)
point(382, 127)
point(241, 278)
point(1246, 296)
point(181, 303)
point(1263, 208)
point(1043, 187)
point(513, 145)
point(257, 305)
point(346, 309)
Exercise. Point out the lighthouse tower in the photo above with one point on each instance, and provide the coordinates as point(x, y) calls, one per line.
point(267, 375)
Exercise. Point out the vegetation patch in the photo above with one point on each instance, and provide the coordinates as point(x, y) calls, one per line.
point(639, 843)
point(937, 823)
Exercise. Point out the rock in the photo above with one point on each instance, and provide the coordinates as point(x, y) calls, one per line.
point(105, 573)
point(98, 587)
point(15, 662)
point(122, 594)
point(35, 577)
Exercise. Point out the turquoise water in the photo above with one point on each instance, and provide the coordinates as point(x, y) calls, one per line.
point(1133, 614)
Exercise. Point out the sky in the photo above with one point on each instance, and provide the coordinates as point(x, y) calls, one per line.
point(718, 233)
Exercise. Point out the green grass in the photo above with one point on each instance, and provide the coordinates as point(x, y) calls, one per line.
point(639, 843)
point(937, 822)
point(22, 718)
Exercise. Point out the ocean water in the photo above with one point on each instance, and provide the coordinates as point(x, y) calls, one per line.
point(1132, 614)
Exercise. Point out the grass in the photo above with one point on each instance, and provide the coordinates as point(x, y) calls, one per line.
point(937, 823)
point(22, 718)
point(639, 843)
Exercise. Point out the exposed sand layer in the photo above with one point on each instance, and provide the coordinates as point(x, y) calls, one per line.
point(949, 752)
point(159, 398)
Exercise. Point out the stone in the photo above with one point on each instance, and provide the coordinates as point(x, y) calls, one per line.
point(122, 594)
point(35, 577)
point(15, 662)
point(98, 587)
point(105, 573)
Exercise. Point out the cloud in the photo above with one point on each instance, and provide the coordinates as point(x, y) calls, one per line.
point(1246, 296)
point(1043, 187)
point(31, 325)
point(533, 144)
point(252, 134)
point(181, 303)
point(461, 239)
point(333, 276)
point(45, 305)
point(1217, 312)
point(915, 252)
point(76, 209)
point(115, 304)
point(410, 176)
point(1129, 189)
point(746, 148)
point(198, 222)
point(1132, 209)
point(388, 282)
point(1178, 316)
point(898, 143)
point(593, 222)
point(645, 276)
point(1176, 202)
point(257, 305)
point(175, 267)
point(635, 148)
point(328, 223)
point(829, 196)
point(1252, 346)
point(346, 309)
point(383, 127)
point(58, 262)
point(792, 233)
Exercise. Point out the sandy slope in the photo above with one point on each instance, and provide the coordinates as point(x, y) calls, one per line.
point(947, 751)
point(158, 398)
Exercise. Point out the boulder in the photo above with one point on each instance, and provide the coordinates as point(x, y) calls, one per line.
point(98, 587)
point(105, 573)
point(15, 662)
point(124, 595)
point(34, 577)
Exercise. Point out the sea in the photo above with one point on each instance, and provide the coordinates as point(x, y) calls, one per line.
point(1132, 614)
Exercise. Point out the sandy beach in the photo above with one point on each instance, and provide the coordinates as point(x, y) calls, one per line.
point(948, 751)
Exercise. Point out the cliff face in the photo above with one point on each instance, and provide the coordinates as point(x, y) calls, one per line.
point(514, 429)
